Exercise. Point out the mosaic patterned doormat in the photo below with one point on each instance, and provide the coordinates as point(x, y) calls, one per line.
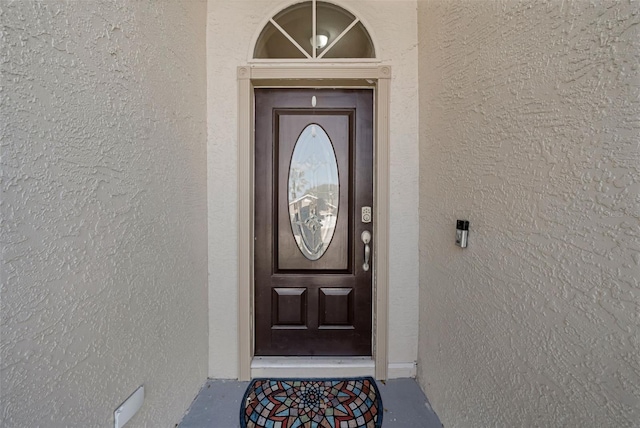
point(312, 403)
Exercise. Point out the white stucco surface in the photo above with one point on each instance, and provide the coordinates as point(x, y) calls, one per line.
point(530, 123)
point(104, 234)
point(231, 29)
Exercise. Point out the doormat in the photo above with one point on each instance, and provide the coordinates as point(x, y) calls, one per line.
point(312, 403)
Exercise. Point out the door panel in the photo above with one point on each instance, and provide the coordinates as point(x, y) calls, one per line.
point(312, 294)
point(336, 126)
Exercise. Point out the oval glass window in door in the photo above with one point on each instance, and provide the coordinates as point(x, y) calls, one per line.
point(313, 192)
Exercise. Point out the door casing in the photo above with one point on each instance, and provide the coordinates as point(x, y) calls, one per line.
point(377, 77)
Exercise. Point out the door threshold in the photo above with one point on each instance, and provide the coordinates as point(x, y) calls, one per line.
point(304, 367)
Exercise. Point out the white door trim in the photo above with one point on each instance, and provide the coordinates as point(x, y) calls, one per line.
point(377, 77)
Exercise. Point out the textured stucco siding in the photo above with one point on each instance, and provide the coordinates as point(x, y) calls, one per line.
point(530, 129)
point(104, 234)
point(231, 29)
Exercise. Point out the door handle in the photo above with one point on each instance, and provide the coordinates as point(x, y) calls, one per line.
point(366, 238)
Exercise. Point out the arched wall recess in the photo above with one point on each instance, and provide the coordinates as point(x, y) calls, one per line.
point(313, 30)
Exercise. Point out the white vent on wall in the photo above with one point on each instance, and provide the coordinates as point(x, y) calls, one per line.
point(128, 408)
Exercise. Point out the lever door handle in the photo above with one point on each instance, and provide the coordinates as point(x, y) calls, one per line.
point(366, 238)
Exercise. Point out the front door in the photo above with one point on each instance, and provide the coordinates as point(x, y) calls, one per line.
point(313, 221)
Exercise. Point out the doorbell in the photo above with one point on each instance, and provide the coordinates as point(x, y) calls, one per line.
point(462, 233)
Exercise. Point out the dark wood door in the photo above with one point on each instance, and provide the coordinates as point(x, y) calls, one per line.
point(313, 177)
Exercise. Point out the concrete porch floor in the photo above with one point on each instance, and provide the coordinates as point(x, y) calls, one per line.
point(217, 405)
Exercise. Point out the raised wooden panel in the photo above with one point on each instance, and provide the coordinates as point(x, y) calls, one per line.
point(336, 308)
point(289, 307)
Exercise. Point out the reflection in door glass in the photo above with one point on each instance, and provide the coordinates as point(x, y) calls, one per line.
point(313, 192)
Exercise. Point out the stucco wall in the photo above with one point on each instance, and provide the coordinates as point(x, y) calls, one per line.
point(230, 32)
point(103, 210)
point(530, 122)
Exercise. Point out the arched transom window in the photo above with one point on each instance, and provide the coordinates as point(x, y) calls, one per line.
point(314, 30)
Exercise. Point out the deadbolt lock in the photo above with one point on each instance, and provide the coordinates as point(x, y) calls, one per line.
point(366, 214)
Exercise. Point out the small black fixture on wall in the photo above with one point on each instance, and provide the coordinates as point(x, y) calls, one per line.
point(462, 233)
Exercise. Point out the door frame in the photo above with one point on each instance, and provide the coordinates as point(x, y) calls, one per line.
point(376, 77)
